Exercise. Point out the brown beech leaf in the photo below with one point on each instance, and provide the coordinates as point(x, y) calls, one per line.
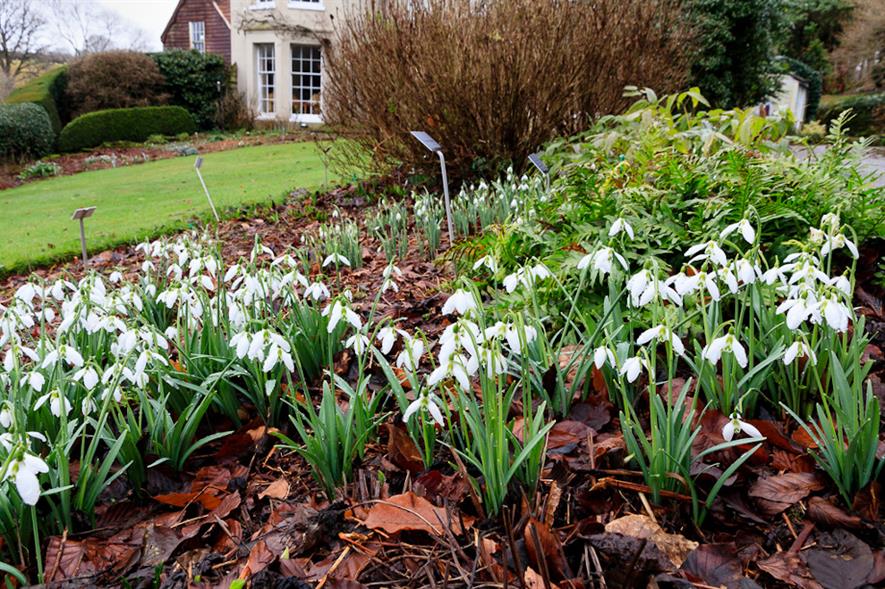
point(840, 559)
point(402, 450)
point(823, 512)
point(451, 487)
point(566, 435)
point(675, 546)
point(789, 568)
point(776, 493)
point(412, 513)
point(279, 489)
point(716, 565)
point(260, 557)
point(545, 549)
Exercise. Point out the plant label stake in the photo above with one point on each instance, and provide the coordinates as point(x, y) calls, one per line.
point(79, 215)
point(535, 159)
point(432, 146)
point(197, 165)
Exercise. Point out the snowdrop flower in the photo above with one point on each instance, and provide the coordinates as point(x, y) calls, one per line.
point(89, 377)
point(737, 426)
point(600, 355)
point(455, 367)
point(425, 402)
point(526, 276)
point(726, 343)
point(688, 284)
point(460, 302)
point(835, 242)
point(620, 225)
point(70, 355)
point(707, 251)
point(800, 309)
point(602, 260)
point(358, 342)
point(835, 313)
point(337, 259)
point(36, 380)
point(631, 368)
point(317, 291)
point(391, 274)
point(744, 227)
point(240, 342)
point(799, 349)
point(644, 287)
point(57, 403)
point(337, 311)
point(842, 284)
point(278, 352)
point(727, 276)
point(490, 358)
point(410, 357)
point(24, 472)
point(512, 335)
point(458, 336)
point(488, 261)
point(6, 414)
point(115, 277)
point(387, 337)
point(746, 272)
point(661, 333)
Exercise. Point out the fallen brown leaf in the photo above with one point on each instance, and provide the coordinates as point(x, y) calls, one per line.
point(409, 512)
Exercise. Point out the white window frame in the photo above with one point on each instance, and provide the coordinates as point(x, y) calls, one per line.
point(297, 87)
point(266, 93)
point(307, 5)
point(197, 43)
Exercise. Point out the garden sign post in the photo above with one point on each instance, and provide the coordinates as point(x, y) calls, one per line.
point(79, 215)
point(197, 165)
point(432, 146)
point(535, 159)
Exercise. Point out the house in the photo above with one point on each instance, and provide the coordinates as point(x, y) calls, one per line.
point(792, 96)
point(202, 25)
point(278, 47)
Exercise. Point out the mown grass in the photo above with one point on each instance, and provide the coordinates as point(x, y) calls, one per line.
point(141, 201)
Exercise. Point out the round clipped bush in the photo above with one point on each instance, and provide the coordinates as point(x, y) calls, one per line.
point(113, 79)
point(25, 131)
point(124, 124)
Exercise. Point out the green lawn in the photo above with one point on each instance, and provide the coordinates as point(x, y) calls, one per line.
point(144, 200)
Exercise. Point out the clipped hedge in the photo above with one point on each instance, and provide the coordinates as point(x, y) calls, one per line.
point(25, 130)
point(124, 124)
point(48, 91)
point(868, 114)
point(195, 81)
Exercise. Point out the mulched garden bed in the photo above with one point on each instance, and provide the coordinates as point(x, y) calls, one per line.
point(248, 511)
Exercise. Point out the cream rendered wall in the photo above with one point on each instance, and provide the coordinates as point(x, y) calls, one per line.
point(253, 22)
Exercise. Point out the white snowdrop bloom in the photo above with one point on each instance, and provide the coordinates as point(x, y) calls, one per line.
point(425, 402)
point(516, 336)
point(836, 313)
point(727, 276)
point(26, 293)
point(747, 273)
point(637, 284)
point(737, 426)
point(488, 358)
point(317, 291)
point(799, 349)
point(726, 343)
point(389, 284)
point(454, 367)
point(387, 337)
point(661, 333)
point(275, 355)
point(688, 284)
point(462, 335)
point(36, 380)
point(744, 227)
point(358, 342)
point(488, 261)
point(460, 302)
point(6, 415)
point(620, 225)
point(207, 282)
point(601, 260)
point(116, 277)
point(171, 332)
point(58, 290)
point(58, 403)
point(842, 284)
point(775, 274)
point(707, 251)
point(88, 376)
point(336, 312)
point(70, 355)
point(631, 368)
point(800, 309)
point(410, 357)
point(511, 281)
point(337, 259)
point(835, 242)
point(601, 355)
point(231, 273)
point(24, 472)
point(88, 406)
point(392, 272)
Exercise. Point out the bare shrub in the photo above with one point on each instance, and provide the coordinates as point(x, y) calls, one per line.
point(113, 79)
point(492, 81)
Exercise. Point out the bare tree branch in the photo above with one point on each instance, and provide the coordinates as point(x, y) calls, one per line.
point(20, 25)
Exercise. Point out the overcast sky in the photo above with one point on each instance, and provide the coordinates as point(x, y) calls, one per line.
point(149, 15)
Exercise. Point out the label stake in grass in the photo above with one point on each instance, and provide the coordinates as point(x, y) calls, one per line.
point(197, 165)
point(79, 215)
point(535, 159)
point(432, 146)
